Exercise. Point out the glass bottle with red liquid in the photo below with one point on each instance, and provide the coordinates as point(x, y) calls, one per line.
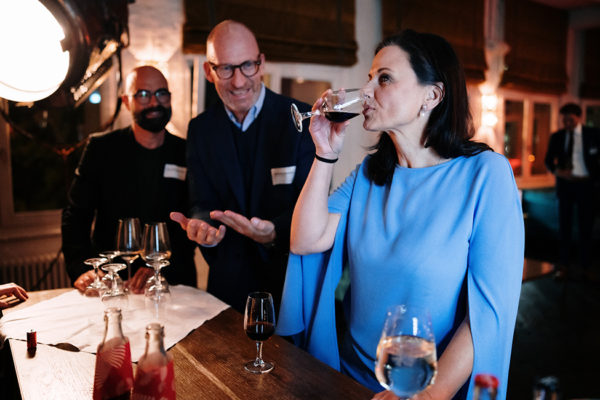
point(155, 377)
point(486, 387)
point(113, 377)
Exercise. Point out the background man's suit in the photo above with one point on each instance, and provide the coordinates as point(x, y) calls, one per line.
point(118, 178)
point(576, 192)
point(258, 178)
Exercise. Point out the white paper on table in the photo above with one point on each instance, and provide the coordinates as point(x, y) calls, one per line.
point(78, 320)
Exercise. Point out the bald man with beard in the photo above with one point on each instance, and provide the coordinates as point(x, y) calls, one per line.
point(247, 165)
point(138, 171)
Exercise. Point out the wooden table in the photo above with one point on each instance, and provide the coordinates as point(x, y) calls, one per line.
point(208, 365)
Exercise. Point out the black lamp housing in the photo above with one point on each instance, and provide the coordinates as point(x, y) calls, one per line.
point(95, 30)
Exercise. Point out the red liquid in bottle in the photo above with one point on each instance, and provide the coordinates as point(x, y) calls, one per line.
point(113, 375)
point(154, 382)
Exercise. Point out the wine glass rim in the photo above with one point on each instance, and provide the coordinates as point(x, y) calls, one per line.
point(260, 295)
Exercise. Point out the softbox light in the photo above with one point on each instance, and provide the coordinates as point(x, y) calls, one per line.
point(61, 48)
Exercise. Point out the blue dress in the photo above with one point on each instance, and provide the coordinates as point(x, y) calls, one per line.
point(449, 237)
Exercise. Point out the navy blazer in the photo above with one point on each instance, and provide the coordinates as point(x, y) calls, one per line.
point(556, 154)
point(239, 265)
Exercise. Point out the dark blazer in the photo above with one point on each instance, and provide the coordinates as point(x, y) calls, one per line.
point(239, 265)
point(110, 183)
point(556, 155)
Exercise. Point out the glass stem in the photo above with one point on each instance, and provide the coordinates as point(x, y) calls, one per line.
point(157, 281)
point(258, 360)
point(129, 271)
point(96, 277)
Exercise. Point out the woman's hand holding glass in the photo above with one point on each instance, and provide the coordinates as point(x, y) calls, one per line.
point(327, 134)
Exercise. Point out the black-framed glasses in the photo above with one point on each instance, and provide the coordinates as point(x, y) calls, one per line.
point(143, 96)
point(249, 68)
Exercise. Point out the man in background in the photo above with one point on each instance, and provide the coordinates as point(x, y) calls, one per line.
point(139, 171)
point(247, 165)
point(573, 157)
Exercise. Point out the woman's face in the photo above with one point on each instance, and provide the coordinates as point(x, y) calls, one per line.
point(395, 95)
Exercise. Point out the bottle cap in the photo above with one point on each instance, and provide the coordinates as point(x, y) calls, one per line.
point(486, 381)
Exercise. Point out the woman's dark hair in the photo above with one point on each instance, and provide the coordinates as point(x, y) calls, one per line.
point(450, 125)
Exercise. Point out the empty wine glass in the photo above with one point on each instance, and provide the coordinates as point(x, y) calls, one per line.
point(128, 241)
point(115, 295)
point(110, 255)
point(97, 287)
point(259, 324)
point(156, 248)
point(406, 355)
point(157, 295)
point(338, 106)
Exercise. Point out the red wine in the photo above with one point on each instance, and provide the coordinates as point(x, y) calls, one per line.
point(260, 330)
point(339, 116)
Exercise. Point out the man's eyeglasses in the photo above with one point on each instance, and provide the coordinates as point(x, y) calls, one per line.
point(249, 68)
point(144, 96)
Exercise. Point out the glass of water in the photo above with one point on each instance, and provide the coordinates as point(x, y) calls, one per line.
point(406, 356)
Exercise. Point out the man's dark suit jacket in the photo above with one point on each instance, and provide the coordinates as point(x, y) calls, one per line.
point(111, 183)
point(556, 156)
point(238, 265)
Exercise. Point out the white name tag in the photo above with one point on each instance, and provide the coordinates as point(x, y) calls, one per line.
point(283, 175)
point(175, 172)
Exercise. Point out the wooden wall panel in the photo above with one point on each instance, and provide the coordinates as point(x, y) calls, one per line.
point(458, 21)
point(309, 31)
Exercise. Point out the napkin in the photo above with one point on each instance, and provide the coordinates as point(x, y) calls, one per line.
point(79, 321)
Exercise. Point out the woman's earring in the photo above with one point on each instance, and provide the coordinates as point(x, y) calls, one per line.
point(422, 111)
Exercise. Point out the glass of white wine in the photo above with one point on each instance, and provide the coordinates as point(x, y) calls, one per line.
point(129, 236)
point(338, 106)
point(406, 356)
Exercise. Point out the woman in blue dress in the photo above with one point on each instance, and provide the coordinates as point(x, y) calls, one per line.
point(430, 217)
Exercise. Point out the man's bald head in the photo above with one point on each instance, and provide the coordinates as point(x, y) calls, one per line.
point(226, 32)
point(143, 73)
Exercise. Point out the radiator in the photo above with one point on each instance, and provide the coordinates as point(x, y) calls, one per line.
point(40, 272)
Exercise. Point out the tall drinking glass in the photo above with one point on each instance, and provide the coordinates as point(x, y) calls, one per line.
point(129, 241)
point(259, 324)
point(406, 355)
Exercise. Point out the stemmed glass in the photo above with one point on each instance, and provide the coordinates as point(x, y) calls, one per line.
point(406, 356)
point(259, 324)
point(110, 255)
point(116, 295)
point(338, 106)
point(156, 251)
point(128, 241)
point(96, 288)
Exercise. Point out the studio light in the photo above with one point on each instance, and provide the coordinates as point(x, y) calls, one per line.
point(62, 48)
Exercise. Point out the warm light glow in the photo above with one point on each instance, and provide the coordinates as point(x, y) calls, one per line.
point(531, 158)
point(33, 63)
point(489, 119)
point(489, 102)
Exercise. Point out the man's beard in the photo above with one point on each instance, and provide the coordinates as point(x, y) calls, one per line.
point(153, 124)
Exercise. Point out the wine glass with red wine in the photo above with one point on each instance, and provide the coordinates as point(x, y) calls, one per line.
point(338, 106)
point(259, 324)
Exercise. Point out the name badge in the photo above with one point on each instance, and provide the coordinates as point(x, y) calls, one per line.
point(175, 172)
point(283, 175)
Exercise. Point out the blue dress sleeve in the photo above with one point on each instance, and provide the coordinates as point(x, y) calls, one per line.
point(495, 269)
